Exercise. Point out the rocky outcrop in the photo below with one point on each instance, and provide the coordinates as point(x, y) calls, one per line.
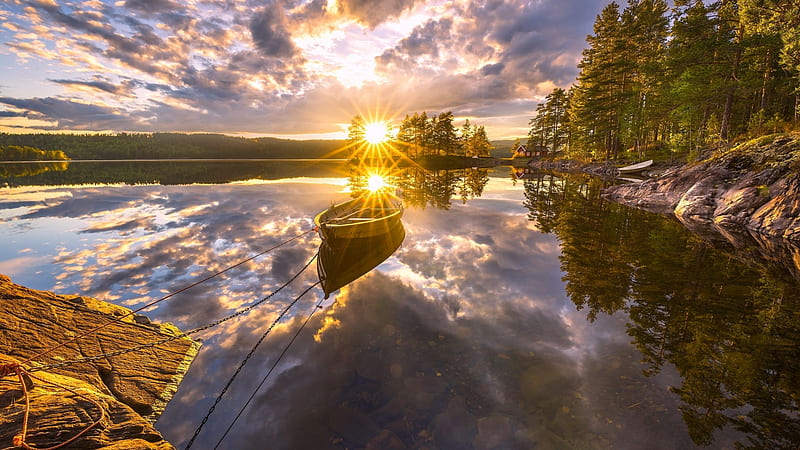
point(132, 388)
point(754, 186)
point(747, 194)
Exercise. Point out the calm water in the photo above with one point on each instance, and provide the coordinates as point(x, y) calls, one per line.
point(515, 314)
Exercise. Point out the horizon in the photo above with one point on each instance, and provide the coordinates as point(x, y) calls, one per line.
point(297, 70)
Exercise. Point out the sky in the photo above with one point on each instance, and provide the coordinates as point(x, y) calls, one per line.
point(288, 68)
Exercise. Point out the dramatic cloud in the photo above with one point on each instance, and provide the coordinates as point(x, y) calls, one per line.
point(270, 35)
point(299, 67)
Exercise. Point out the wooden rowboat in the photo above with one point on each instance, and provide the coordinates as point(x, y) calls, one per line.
point(361, 217)
point(638, 167)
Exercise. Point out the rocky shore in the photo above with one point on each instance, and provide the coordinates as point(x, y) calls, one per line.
point(132, 388)
point(747, 195)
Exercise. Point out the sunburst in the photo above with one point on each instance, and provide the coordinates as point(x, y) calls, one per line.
point(376, 133)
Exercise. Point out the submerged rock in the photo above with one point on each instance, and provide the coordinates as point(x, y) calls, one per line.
point(132, 388)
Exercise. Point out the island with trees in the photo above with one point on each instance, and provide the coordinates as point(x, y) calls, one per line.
point(432, 141)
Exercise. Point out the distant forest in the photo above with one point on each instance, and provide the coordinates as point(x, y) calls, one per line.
point(674, 80)
point(172, 145)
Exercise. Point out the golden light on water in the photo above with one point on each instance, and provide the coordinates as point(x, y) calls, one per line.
point(376, 182)
point(376, 132)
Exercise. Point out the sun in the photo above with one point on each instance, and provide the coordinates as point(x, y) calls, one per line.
point(376, 132)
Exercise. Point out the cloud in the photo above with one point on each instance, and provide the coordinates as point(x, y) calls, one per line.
point(69, 114)
point(97, 84)
point(152, 6)
point(293, 67)
point(374, 12)
point(268, 28)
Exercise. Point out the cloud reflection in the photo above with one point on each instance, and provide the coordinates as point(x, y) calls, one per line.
point(464, 338)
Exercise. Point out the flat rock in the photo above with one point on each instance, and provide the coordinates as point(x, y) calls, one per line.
point(133, 387)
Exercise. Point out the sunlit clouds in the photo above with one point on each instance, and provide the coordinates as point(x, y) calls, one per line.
point(289, 68)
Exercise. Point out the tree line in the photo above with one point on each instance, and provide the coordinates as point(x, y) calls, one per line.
point(655, 78)
point(27, 153)
point(170, 145)
point(421, 135)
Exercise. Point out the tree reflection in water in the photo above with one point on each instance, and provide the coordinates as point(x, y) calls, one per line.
point(15, 170)
point(729, 327)
point(422, 187)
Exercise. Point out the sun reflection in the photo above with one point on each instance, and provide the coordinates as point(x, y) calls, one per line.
point(376, 182)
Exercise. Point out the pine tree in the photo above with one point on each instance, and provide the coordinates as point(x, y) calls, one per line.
point(599, 93)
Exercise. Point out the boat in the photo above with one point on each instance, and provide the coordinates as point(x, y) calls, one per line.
point(633, 168)
point(344, 260)
point(361, 217)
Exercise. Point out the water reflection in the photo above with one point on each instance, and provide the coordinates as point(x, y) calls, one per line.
point(730, 329)
point(424, 187)
point(10, 171)
point(534, 315)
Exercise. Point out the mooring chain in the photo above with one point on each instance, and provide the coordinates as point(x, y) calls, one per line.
point(244, 362)
point(172, 338)
point(170, 295)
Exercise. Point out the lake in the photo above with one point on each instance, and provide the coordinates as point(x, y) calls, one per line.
point(518, 312)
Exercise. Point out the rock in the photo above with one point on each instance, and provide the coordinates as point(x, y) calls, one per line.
point(133, 387)
point(455, 427)
point(355, 428)
point(494, 432)
point(56, 415)
point(753, 189)
point(386, 440)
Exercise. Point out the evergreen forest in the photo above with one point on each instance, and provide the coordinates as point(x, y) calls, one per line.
point(655, 80)
point(168, 146)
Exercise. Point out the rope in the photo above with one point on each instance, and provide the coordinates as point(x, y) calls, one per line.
point(244, 361)
point(178, 336)
point(20, 440)
point(263, 380)
point(153, 303)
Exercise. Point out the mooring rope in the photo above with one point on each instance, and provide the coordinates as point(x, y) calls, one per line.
point(269, 372)
point(18, 369)
point(20, 440)
point(244, 362)
point(177, 336)
point(155, 302)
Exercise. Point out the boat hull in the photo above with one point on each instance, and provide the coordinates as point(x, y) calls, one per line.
point(359, 218)
point(343, 260)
